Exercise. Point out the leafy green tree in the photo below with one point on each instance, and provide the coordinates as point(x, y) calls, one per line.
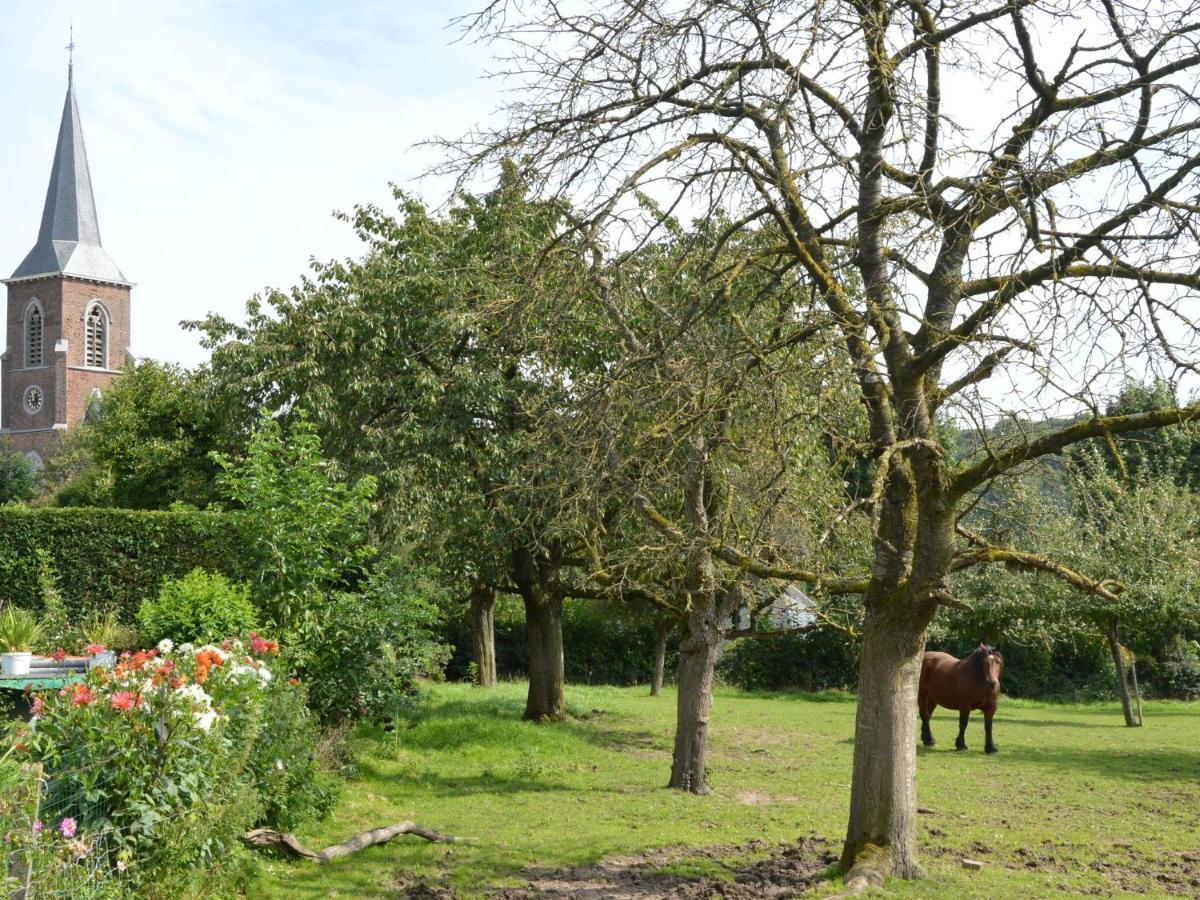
point(309, 529)
point(18, 478)
point(147, 443)
point(406, 367)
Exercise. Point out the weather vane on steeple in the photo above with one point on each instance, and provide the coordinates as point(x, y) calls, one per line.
point(71, 56)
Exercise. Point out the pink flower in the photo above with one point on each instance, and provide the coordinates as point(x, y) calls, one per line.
point(59, 655)
point(38, 827)
point(93, 649)
point(67, 827)
point(38, 706)
point(123, 700)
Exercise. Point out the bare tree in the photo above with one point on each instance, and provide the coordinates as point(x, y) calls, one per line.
point(973, 190)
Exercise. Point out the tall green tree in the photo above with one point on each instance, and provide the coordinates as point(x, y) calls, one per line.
point(401, 363)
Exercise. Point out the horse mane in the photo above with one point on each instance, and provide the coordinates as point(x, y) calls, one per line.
point(979, 661)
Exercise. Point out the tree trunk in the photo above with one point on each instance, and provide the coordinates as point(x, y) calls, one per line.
point(483, 631)
point(660, 660)
point(701, 634)
point(697, 660)
point(543, 622)
point(881, 837)
point(533, 572)
point(1122, 683)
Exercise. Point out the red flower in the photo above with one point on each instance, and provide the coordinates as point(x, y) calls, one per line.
point(262, 646)
point(93, 649)
point(123, 700)
point(59, 655)
point(81, 695)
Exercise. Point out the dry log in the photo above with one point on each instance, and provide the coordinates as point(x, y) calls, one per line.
point(269, 839)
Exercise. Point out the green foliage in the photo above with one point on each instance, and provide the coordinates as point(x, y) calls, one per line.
point(106, 629)
point(56, 628)
point(19, 630)
point(819, 660)
point(199, 607)
point(148, 444)
point(1178, 673)
point(603, 644)
point(18, 478)
point(401, 362)
point(361, 653)
point(110, 560)
point(307, 530)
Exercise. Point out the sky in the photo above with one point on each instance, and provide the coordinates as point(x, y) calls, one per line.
point(223, 134)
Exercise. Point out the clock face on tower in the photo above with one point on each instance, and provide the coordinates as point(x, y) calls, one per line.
point(34, 399)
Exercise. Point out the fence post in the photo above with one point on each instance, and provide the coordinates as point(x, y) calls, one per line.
point(21, 863)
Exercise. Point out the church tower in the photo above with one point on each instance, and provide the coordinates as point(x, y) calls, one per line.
point(68, 308)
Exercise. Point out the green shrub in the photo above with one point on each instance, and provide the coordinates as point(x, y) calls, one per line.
point(112, 559)
point(818, 660)
point(600, 647)
point(361, 654)
point(1178, 674)
point(198, 607)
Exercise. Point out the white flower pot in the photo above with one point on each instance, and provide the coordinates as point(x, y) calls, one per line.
point(14, 665)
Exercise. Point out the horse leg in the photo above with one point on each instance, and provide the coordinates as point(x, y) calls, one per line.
point(990, 746)
point(926, 709)
point(963, 716)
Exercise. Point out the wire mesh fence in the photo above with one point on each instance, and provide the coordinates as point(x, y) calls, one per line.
point(56, 842)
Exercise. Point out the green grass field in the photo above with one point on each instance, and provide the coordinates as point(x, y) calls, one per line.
point(1074, 803)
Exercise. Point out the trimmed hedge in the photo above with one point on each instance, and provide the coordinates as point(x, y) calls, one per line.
point(112, 559)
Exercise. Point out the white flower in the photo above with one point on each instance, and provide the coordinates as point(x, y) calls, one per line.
point(204, 720)
point(264, 676)
point(187, 648)
point(197, 695)
point(166, 645)
point(279, 764)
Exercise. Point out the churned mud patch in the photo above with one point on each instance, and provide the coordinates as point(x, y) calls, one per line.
point(786, 870)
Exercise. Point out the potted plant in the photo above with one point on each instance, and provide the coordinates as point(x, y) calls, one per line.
point(18, 632)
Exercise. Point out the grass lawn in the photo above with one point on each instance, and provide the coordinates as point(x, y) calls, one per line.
point(1073, 803)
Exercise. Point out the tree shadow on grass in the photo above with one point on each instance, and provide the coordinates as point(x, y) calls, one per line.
point(1146, 764)
point(486, 782)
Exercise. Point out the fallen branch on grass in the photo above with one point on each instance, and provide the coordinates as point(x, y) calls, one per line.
point(269, 839)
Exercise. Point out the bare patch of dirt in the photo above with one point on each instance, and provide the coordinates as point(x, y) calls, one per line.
point(753, 798)
point(789, 870)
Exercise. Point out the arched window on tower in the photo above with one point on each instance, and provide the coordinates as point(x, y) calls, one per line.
point(33, 336)
point(96, 338)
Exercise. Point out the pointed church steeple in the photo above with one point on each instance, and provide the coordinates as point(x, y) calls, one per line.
point(69, 240)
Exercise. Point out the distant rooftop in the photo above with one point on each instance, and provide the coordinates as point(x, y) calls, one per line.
point(69, 240)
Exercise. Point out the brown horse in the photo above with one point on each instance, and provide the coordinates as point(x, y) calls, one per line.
point(972, 682)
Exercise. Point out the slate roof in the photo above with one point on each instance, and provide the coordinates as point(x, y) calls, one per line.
point(69, 240)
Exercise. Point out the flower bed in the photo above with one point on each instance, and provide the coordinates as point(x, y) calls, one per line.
point(156, 765)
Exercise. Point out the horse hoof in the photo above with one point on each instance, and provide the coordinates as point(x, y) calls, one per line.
point(992, 750)
point(961, 749)
point(929, 743)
